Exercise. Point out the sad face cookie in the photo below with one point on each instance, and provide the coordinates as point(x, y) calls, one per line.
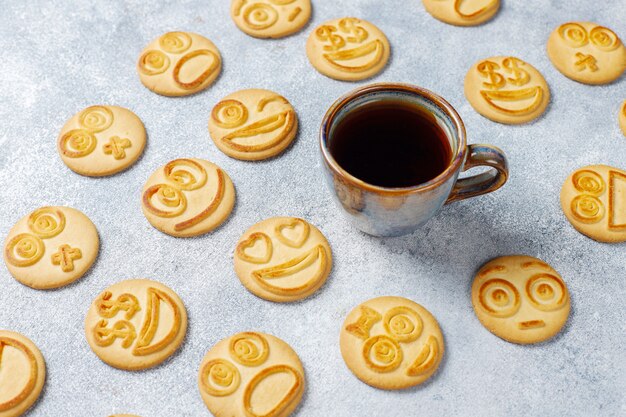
point(462, 12)
point(101, 140)
point(188, 197)
point(270, 18)
point(593, 199)
point(506, 90)
point(348, 49)
point(136, 324)
point(283, 259)
point(179, 64)
point(587, 52)
point(520, 299)
point(253, 124)
point(391, 343)
point(51, 247)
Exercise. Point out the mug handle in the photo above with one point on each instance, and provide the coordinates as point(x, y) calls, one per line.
point(481, 155)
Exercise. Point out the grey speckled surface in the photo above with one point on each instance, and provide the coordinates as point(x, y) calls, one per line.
point(58, 57)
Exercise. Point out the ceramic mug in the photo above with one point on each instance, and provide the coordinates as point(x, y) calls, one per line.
point(383, 211)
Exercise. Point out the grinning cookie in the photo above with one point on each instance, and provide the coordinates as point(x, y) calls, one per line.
point(179, 64)
point(253, 124)
point(136, 324)
point(101, 140)
point(622, 117)
point(251, 375)
point(587, 53)
point(462, 12)
point(283, 259)
point(270, 18)
point(22, 373)
point(391, 343)
point(51, 247)
point(506, 90)
point(520, 299)
point(593, 199)
point(188, 197)
point(348, 49)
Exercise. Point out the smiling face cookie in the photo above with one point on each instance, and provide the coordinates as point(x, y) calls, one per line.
point(253, 124)
point(462, 12)
point(587, 52)
point(593, 199)
point(179, 64)
point(270, 18)
point(520, 299)
point(348, 49)
point(188, 197)
point(283, 259)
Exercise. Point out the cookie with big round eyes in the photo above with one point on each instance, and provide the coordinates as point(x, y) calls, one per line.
point(179, 64)
point(587, 52)
point(22, 373)
point(253, 124)
point(348, 49)
point(270, 18)
point(51, 247)
point(283, 259)
point(188, 197)
point(520, 299)
point(593, 199)
point(251, 374)
point(101, 140)
point(462, 12)
point(391, 343)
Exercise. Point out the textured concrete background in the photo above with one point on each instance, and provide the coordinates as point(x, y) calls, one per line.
point(58, 57)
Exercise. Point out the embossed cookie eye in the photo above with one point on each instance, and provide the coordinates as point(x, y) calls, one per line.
point(175, 42)
point(153, 62)
point(219, 378)
point(186, 174)
point(403, 324)
point(229, 114)
point(77, 143)
point(24, 250)
point(96, 118)
point(546, 292)
point(587, 209)
point(382, 353)
point(249, 349)
point(328, 33)
point(260, 16)
point(169, 201)
point(499, 297)
point(46, 222)
point(574, 34)
point(588, 182)
point(604, 38)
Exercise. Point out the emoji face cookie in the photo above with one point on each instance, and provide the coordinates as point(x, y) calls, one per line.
point(593, 199)
point(51, 247)
point(462, 12)
point(283, 259)
point(622, 117)
point(179, 64)
point(391, 343)
point(348, 49)
point(520, 299)
point(188, 197)
point(251, 374)
point(587, 52)
point(270, 18)
point(22, 373)
point(253, 124)
point(506, 90)
point(101, 140)
point(136, 324)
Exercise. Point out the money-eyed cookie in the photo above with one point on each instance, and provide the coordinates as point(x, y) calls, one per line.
point(136, 324)
point(622, 117)
point(179, 64)
point(391, 343)
point(188, 197)
point(593, 199)
point(587, 52)
point(22, 373)
point(51, 247)
point(253, 124)
point(270, 18)
point(348, 49)
point(506, 90)
point(101, 140)
point(251, 374)
point(520, 299)
point(283, 259)
point(462, 12)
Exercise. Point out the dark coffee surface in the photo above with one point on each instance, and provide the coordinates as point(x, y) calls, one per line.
point(391, 144)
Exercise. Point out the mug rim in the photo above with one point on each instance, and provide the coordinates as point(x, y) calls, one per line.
point(439, 101)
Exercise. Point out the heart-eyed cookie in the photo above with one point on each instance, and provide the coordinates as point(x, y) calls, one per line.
point(283, 259)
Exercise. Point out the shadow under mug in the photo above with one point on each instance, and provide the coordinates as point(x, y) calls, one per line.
point(383, 211)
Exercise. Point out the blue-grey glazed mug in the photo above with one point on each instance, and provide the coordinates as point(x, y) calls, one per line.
point(383, 211)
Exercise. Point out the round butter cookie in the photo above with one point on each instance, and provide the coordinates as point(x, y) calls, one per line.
point(462, 12)
point(270, 18)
